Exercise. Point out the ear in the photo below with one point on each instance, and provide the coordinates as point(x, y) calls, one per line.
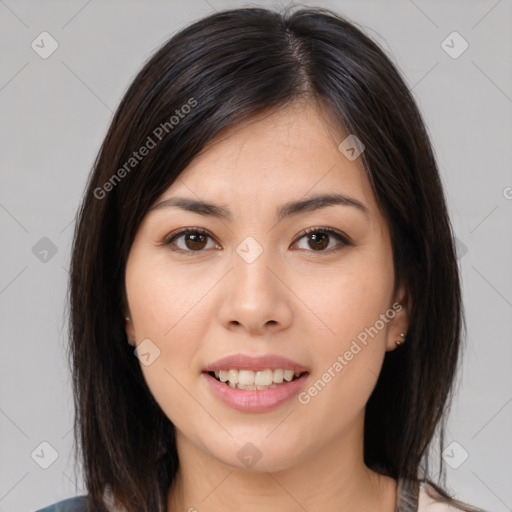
point(128, 327)
point(399, 323)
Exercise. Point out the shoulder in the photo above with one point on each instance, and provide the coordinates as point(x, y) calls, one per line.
point(76, 504)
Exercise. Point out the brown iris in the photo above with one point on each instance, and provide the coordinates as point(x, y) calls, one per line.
point(319, 238)
point(195, 241)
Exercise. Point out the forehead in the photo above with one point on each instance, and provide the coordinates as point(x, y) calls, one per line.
point(285, 153)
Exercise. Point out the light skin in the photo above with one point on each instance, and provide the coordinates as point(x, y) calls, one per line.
point(300, 299)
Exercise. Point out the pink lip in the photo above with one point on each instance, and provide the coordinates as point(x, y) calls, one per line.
point(245, 362)
point(255, 401)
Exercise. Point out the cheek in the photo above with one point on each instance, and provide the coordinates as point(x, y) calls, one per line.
point(347, 366)
point(350, 299)
point(350, 347)
point(163, 298)
point(166, 311)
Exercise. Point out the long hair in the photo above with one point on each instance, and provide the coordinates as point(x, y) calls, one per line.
point(213, 74)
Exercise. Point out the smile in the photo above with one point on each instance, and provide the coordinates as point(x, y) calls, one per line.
point(250, 380)
point(255, 383)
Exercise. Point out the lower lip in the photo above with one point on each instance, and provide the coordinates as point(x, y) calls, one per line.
point(255, 400)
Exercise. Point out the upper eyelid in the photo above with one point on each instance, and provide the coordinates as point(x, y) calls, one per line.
point(184, 231)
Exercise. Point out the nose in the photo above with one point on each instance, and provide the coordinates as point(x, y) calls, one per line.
point(255, 297)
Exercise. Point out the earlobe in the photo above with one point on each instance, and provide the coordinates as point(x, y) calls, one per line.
point(401, 340)
point(397, 333)
point(129, 331)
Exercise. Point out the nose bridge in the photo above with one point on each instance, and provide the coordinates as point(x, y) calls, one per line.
point(255, 297)
point(252, 275)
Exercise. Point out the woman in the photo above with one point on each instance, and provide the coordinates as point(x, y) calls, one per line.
point(266, 231)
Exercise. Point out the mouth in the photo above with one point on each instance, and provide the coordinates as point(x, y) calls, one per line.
point(255, 383)
point(256, 380)
point(255, 397)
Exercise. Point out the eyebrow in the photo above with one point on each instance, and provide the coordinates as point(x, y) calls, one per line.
point(286, 210)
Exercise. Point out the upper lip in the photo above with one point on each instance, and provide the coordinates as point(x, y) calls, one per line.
point(247, 362)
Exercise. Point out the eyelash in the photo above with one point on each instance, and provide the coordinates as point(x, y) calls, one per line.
point(168, 240)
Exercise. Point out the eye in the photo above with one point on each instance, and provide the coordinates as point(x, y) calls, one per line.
point(194, 240)
point(320, 239)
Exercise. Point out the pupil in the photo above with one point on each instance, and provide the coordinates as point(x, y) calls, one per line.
point(325, 238)
point(193, 239)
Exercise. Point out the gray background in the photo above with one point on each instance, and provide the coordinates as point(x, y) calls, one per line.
point(54, 115)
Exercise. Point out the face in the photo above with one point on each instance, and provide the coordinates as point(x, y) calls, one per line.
point(253, 287)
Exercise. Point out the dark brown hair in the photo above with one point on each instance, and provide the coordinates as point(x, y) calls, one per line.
point(229, 67)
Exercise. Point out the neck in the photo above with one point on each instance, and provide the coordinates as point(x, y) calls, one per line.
point(333, 478)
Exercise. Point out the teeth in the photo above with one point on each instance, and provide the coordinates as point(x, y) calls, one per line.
point(250, 388)
point(246, 377)
point(278, 375)
point(260, 379)
point(263, 378)
point(233, 376)
point(288, 375)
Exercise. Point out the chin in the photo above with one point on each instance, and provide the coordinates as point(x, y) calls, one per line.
point(258, 455)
